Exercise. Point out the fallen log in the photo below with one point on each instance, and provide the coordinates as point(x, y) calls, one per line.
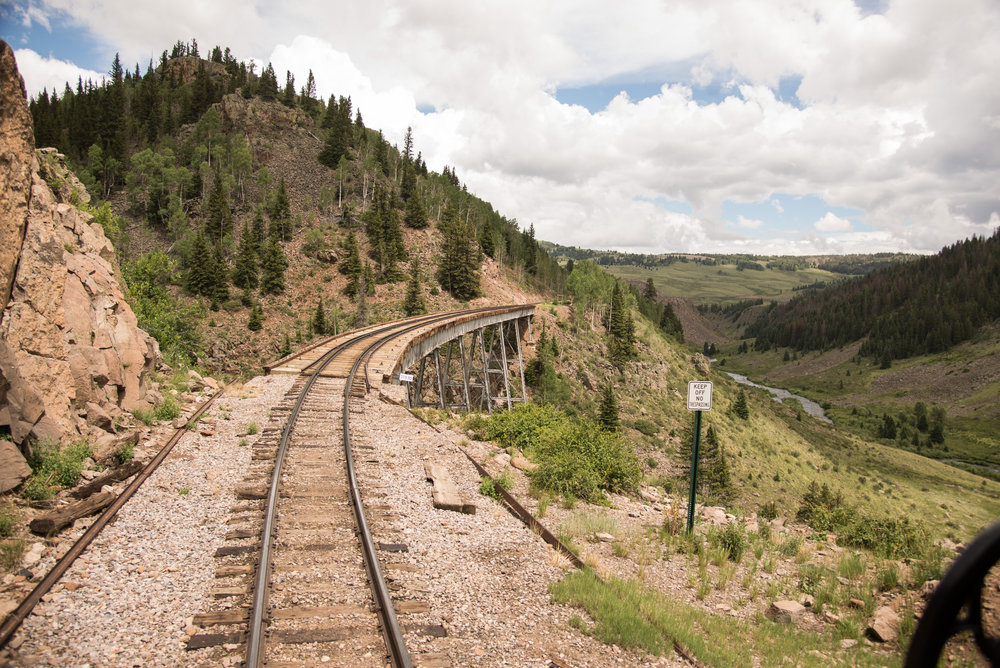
point(116, 475)
point(63, 516)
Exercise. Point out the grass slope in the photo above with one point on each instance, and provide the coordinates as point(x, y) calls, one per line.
point(723, 283)
point(778, 452)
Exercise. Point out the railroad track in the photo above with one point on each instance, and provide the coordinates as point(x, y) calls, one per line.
point(307, 600)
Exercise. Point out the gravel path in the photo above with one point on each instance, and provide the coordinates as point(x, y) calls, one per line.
point(129, 599)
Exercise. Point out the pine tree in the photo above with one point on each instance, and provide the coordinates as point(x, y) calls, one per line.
point(288, 96)
point(258, 233)
point(199, 280)
point(280, 212)
point(385, 237)
point(414, 303)
point(486, 242)
point(219, 275)
point(245, 267)
point(621, 330)
point(361, 312)
point(255, 323)
point(309, 93)
point(273, 267)
point(607, 415)
point(530, 250)
point(740, 407)
point(409, 181)
point(649, 292)
point(219, 220)
point(458, 266)
point(319, 319)
point(351, 265)
point(338, 138)
point(268, 87)
point(415, 215)
point(670, 323)
point(286, 347)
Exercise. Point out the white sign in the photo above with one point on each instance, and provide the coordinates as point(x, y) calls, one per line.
point(406, 377)
point(699, 395)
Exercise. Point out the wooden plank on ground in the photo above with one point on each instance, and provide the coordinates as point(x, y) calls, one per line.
point(221, 617)
point(63, 516)
point(444, 493)
point(412, 607)
point(320, 611)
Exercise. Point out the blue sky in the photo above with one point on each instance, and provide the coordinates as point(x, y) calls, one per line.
point(779, 126)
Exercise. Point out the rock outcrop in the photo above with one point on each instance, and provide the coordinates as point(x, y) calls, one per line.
point(72, 357)
point(16, 142)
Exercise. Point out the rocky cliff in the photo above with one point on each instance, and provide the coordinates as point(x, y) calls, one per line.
point(72, 357)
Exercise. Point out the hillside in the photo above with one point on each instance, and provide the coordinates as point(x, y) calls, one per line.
point(926, 306)
point(205, 163)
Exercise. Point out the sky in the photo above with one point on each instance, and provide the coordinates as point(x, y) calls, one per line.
point(791, 127)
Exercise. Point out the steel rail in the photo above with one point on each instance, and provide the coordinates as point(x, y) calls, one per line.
point(383, 601)
point(390, 626)
point(17, 617)
point(255, 635)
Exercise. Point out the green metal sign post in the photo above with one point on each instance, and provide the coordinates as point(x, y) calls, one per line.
point(699, 399)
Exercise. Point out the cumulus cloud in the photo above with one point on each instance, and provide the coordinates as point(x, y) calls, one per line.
point(894, 112)
point(52, 74)
point(832, 223)
point(749, 223)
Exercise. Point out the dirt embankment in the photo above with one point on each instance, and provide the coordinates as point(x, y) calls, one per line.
point(696, 329)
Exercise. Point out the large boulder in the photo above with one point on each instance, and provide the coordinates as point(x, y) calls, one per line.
point(70, 346)
point(786, 612)
point(884, 626)
point(13, 467)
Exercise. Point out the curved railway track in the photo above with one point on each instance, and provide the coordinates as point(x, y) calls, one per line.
point(304, 544)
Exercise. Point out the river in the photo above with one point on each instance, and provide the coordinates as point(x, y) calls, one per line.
point(808, 405)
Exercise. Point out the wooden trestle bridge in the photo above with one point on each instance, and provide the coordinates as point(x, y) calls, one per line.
point(466, 360)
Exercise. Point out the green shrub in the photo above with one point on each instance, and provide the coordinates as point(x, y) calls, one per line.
point(647, 427)
point(790, 546)
point(478, 424)
point(488, 486)
point(851, 566)
point(11, 552)
point(887, 537)
point(125, 452)
point(168, 410)
point(172, 322)
point(252, 429)
point(734, 541)
point(579, 459)
point(53, 467)
point(8, 518)
point(887, 577)
point(518, 428)
point(928, 566)
point(811, 577)
point(768, 511)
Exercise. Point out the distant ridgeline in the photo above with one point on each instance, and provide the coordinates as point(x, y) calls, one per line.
point(852, 265)
point(908, 309)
